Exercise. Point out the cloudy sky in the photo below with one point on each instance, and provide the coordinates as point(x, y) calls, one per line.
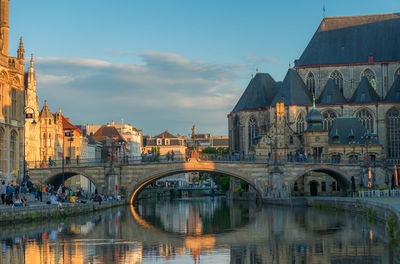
point(164, 64)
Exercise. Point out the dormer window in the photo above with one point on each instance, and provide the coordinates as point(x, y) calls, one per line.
point(167, 142)
point(159, 142)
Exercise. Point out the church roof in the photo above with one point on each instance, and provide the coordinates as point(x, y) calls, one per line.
point(364, 93)
point(258, 94)
point(394, 93)
point(345, 130)
point(331, 94)
point(293, 91)
point(352, 39)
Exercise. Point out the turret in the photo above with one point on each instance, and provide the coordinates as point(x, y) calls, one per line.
point(4, 26)
point(21, 51)
point(31, 76)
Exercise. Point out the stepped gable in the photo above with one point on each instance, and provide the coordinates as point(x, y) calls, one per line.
point(346, 129)
point(354, 39)
point(293, 91)
point(331, 94)
point(394, 93)
point(258, 94)
point(364, 93)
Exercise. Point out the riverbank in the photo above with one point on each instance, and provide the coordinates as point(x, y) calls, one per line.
point(39, 212)
point(381, 209)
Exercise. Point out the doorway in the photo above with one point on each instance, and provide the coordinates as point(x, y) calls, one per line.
point(313, 188)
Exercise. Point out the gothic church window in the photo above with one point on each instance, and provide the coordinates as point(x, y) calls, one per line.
point(14, 104)
point(311, 82)
point(252, 131)
point(329, 117)
point(2, 149)
point(13, 150)
point(300, 124)
point(365, 117)
point(337, 78)
point(393, 134)
point(369, 74)
point(236, 134)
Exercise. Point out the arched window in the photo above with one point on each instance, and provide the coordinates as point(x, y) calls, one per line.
point(13, 104)
point(44, 140)
point(366, 118)
point(369, 74)
point(1, 98)
point(236, 134)
point(13, 150)
point(393, 134)
point(337, 78)
point(329, 117)
point(253, 131)
point(49, 140)
point(300, 124)
point(311, 82)
point(2, 149)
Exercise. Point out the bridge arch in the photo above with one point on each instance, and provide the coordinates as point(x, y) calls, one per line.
point(56, 179)
point(136, 187)
point(342, 178)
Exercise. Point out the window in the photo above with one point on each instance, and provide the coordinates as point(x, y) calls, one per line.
point(44, 140)
point(49, 121)
point(13, 150)
point(236, 134)
point(300, 123)
point(329, 117)
point(311, 82)
point(334, 186)
point(2, 149)
point(253, 131)
point(296, 187)
point(337, 78)
point(365, 117)
point(393, 134)
point(323, 186)
point(1, 98)
point(14, 104)
point(369, 74)
point(49, 140)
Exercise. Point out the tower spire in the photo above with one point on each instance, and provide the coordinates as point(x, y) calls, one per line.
point(21, 51)
point(31, 69)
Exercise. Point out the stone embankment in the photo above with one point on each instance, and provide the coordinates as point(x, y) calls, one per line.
point(45, 211)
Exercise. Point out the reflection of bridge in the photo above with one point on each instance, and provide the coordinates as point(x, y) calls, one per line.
point(133, 177)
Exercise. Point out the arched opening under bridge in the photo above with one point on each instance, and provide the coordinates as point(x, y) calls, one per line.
point(73, 180)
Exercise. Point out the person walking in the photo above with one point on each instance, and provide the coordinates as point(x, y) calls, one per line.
point(3, 192)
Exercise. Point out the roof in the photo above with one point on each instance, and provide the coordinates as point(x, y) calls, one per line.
point(109, 132)
point(45, 112)
point(344, 40)
point(293, 91)
point(348, 129)
point(165, 134)
point(68, 126)
point(364, 93)
point(331, 94)
point(258, 94)
point(221, 142)
point(394, 93)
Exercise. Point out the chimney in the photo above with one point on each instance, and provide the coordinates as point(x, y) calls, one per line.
point(112, 123)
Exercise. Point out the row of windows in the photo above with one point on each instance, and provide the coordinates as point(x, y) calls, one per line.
point(337, 77)
point(13, 150)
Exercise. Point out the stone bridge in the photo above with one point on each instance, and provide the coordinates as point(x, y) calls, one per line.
point(133, 177)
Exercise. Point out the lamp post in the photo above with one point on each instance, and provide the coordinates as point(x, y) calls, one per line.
point(68, 134)
point(27, 116)
point(367, 137)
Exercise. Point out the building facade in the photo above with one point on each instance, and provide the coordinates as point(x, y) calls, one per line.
point(11, 103)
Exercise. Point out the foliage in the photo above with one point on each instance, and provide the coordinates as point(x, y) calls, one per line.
point(237, 189)
point(212, 150)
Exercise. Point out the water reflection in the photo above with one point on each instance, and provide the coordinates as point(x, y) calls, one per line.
point(199, 231)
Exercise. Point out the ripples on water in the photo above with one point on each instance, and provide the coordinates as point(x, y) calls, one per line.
point(204, 230)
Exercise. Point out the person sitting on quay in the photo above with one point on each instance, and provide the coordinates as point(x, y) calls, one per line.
point(3, 192)
point(18, 202)
point(24, 201)
point(9, 200)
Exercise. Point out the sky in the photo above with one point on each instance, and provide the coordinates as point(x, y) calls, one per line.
point(164, 64)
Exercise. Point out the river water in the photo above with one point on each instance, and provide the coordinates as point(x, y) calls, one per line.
point(203, 230)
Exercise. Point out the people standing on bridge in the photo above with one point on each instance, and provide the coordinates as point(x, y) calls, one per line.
point(172, 155)
point(168, 156)
point(3, 192)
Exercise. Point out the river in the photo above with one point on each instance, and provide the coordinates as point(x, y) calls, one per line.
point(202, 230)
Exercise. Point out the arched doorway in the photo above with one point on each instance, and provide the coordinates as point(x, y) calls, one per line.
point(313, 188)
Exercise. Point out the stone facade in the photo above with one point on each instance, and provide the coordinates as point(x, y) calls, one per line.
point(11, 103)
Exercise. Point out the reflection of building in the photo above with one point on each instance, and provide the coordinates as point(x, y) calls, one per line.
point(354, 76)
point(164, 143)
point(11, 102)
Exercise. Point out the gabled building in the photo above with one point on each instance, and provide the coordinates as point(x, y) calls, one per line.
point(166, 142)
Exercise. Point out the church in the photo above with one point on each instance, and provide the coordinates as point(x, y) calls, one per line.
point(351, 67)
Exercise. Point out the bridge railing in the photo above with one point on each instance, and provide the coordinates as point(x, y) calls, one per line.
point(379, 193)
point(234, 158)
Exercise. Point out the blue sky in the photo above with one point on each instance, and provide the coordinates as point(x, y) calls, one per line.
point(164, 64)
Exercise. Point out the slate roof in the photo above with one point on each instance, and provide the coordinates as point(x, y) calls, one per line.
point(344, 127)
point(331, 94)
point(293, 91)
point(344, 40)
point(258, 94)
point(165, 134)
point(109, 132)
point(394, 93)
point(364, 93)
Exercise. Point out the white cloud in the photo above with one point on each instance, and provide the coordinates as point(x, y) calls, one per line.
point(167, 91)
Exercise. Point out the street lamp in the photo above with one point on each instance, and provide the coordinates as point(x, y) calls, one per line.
point(68, 134)
point(367, 137)
point(27, 116)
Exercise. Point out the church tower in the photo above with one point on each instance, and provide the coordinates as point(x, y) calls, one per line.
point(4, 26)
point(32, 125)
